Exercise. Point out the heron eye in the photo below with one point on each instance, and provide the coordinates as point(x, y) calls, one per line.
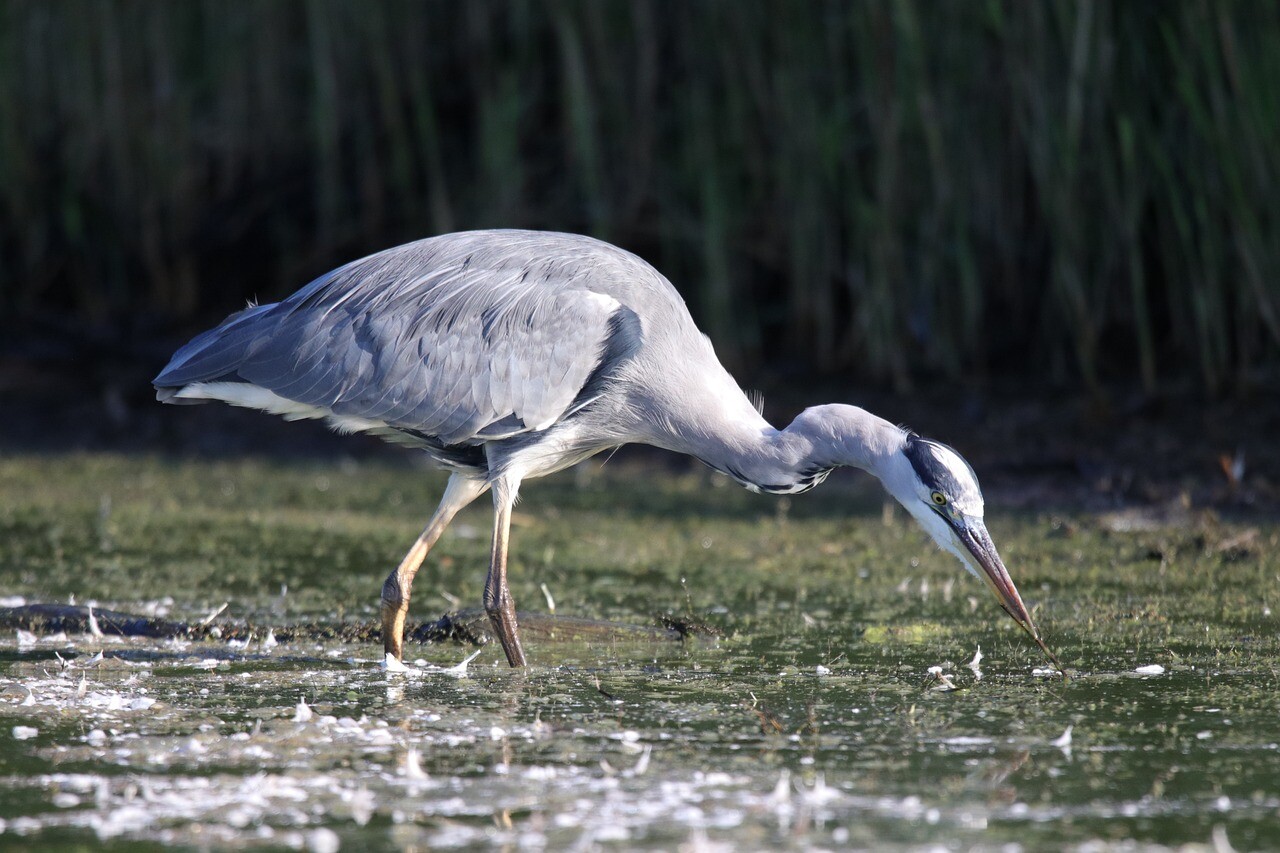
point(939, 499)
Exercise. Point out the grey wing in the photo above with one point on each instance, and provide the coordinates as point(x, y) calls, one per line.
point(450, 348)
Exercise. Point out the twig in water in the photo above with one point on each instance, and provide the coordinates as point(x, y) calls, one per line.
point(208, 620)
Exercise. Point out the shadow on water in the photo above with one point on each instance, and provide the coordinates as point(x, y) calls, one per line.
point(865, 693)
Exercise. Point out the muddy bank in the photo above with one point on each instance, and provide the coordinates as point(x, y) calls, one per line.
point(467, 627)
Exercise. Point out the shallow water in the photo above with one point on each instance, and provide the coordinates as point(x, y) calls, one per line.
point(815, 723)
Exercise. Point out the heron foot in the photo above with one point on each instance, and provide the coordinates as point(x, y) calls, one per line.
point(394, 610)
point(503, 619)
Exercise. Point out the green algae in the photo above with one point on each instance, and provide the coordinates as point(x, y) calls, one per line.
point(813, 721)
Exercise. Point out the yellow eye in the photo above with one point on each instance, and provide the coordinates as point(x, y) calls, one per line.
point(939, 499)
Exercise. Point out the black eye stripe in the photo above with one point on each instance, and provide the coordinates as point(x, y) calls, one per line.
point(923, 455)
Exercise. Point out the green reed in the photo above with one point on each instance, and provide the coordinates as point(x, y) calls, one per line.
point(1076, 191)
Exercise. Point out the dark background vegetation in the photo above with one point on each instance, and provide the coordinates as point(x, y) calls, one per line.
point(1074, 199)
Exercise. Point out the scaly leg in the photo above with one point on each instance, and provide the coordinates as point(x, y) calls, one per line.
point(395, 591)
point(497, 598)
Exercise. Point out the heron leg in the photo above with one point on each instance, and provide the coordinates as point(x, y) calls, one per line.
point(395, 591)
point(497, 598)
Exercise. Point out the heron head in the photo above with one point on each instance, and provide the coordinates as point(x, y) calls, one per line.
point(938, 487)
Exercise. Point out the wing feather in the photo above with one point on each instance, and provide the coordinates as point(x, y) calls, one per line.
point(461, 341)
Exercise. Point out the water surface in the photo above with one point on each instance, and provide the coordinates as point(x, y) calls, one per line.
point(816, 722)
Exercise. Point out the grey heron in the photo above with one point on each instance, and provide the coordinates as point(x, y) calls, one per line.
point(507, 355)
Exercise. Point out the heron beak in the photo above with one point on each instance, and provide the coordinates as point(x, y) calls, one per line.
point(973, 533)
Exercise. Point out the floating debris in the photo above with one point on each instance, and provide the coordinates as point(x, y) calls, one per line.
point(412, 767)
point(782, 789)
point(208, 620)
point(1150, 669)
point(940, 681)
point(94, 630)
point(1063, 742)
point(642, 763)
point(323, 840)
point(391, 663)
point(820, 794)
point(460, 669)
point(52, 622)
point(472, 627)
point(974, 664)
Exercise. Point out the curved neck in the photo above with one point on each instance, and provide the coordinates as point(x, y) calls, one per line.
point(799, 457)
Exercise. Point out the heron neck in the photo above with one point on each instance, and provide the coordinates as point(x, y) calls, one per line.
point(799, 457)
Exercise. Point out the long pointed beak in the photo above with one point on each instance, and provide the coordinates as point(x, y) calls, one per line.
point(973, 533)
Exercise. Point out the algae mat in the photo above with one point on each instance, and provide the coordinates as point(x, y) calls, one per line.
point(845, 706)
